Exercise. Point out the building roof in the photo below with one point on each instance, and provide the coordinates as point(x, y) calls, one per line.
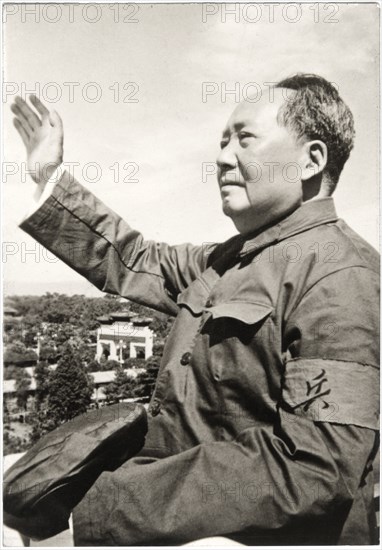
point(12, 319)
point(122, 315)
point(142, 321)
point(18, 360)
point(116, 316)
point(8, 310)
point(9, 386)
point(104, 319)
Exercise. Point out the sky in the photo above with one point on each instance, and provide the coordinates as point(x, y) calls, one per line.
point(144, 96)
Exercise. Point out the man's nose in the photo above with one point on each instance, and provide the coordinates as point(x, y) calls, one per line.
point(226, 159)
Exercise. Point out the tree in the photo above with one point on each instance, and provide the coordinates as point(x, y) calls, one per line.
point(111, 364)
point(120, 388)
point(145, 382)
point(134, 363)
point(158, 347)
point(22, 386)
point(70, 388)
point(30, 334)
point(85, 353)
point(10, 373)
point(42, 377)
point(14, 444)
point(65, 331)
point(18, 353)
point(5, 414)
point(41, 422)
point(48, 352)
point(16, 347)
point(93, 366)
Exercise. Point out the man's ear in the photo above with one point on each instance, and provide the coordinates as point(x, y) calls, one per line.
point(315, 159)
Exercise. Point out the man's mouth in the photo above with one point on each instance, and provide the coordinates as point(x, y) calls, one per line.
point(225, 182)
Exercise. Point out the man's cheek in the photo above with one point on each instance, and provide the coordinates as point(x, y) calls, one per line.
point(253, 172)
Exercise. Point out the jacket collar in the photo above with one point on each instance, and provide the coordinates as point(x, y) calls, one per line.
point(310, 214)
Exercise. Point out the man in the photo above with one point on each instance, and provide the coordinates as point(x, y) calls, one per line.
point(263, 424)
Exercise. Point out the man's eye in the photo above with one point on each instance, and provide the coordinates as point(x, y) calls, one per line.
point(245, 135)
point(223, 143)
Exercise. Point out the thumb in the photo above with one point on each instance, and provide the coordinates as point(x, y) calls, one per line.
point(55, 120)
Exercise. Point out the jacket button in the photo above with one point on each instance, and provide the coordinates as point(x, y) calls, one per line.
point(209, 302)
point(155, 408)
point(186, 358)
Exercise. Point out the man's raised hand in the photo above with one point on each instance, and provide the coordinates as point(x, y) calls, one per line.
point(42, 135)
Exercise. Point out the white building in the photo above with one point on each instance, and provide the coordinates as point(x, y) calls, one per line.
point(124, 335)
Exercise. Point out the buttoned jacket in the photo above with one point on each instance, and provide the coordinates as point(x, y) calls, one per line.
point(263, 422)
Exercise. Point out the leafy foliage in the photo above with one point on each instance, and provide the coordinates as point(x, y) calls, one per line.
point(120, 388)
point(17, 353)
point(60, 309)
point(65, 327)
point(94, 366)
point(69, 389)
point(58, 317)
point(145, 382)
point(42, 376)
point(10, 373)
point(48, 352)
point(13, 444)
point(22, 383)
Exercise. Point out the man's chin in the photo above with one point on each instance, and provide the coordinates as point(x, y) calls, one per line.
point(233, 215)
point(227, 210)
point(243, 220)
point(231, 210)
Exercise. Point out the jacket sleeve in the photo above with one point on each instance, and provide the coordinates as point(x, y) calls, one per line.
point(301, 472)
point(92, 239)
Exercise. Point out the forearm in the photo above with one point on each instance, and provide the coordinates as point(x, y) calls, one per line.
point(92, 239)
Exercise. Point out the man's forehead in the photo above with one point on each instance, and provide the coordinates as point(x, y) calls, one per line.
point(261, 112)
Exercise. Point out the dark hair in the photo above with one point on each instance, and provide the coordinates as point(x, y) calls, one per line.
point(316, 111)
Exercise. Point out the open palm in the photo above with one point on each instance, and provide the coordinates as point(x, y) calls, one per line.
point(42, 136)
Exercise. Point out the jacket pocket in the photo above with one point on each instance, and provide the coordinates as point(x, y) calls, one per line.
point(236, 333)
point(248, 313)
point(234, 322)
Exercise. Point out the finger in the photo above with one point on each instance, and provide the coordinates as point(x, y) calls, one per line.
point(55, 120)
point(24, 121)
point(30, 115)
point(39, 106)
point(19, 127)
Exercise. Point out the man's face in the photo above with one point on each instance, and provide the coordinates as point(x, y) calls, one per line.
point(258, 166)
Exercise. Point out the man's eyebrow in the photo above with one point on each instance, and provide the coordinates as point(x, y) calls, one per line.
point(249, 123)
point(237, 127)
